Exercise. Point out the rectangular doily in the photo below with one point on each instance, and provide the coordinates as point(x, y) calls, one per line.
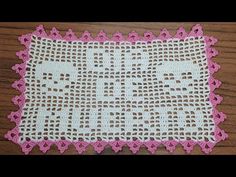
point(135, 91)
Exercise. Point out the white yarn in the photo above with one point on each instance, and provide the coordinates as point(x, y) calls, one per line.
point(90, 91)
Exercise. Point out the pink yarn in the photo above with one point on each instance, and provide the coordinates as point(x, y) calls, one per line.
point(81, 146)
point(70, 36)
point(117, 145)
point(45, 145)
point(134, 146)
point(117, 37)
point(99, 146)
point(164, 35)
point(152, 145)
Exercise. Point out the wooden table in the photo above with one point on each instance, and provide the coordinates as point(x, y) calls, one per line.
point(225, 32)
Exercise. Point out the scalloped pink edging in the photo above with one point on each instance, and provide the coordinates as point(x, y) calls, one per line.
point(99, 146)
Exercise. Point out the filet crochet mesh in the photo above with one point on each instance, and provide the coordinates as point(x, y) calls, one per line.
point(139, 91)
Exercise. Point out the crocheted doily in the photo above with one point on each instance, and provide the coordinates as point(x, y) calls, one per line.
point(136, 91)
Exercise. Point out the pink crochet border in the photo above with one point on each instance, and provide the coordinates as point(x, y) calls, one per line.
point(99, 146)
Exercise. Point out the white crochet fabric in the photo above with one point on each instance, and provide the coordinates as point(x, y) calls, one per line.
point(102, 91)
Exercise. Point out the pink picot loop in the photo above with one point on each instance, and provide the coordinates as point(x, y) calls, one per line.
point(213, 67)
point(23, 55)
point(27, 146)
point(117, 37)
point(99, 146)
point(19, 85)
point(54, 34)
point(213, 83)
point(101, 37)
point(81, 146)
point(170, 145)
point(134, 146)
point(181, 33)
point(206, 146)
point(188, 145)
point(152, 145)
point(45, 145)
point(70, 36)
point(133, 37)
point(25, 40)
point(196, 31)
point(117, 145)
point(211, 52)
point(40, 32)
point(19, 100)
point(215, 99)
point(218, 116)
point(12, 135)
point(148, 36)
point(20, 69)
point(62, 145)
point(164, 35)
point(220, 134)
point(15, 116)
point(86, 37)
point(210, 40)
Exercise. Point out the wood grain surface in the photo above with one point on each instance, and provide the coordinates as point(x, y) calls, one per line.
point(225, 32)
